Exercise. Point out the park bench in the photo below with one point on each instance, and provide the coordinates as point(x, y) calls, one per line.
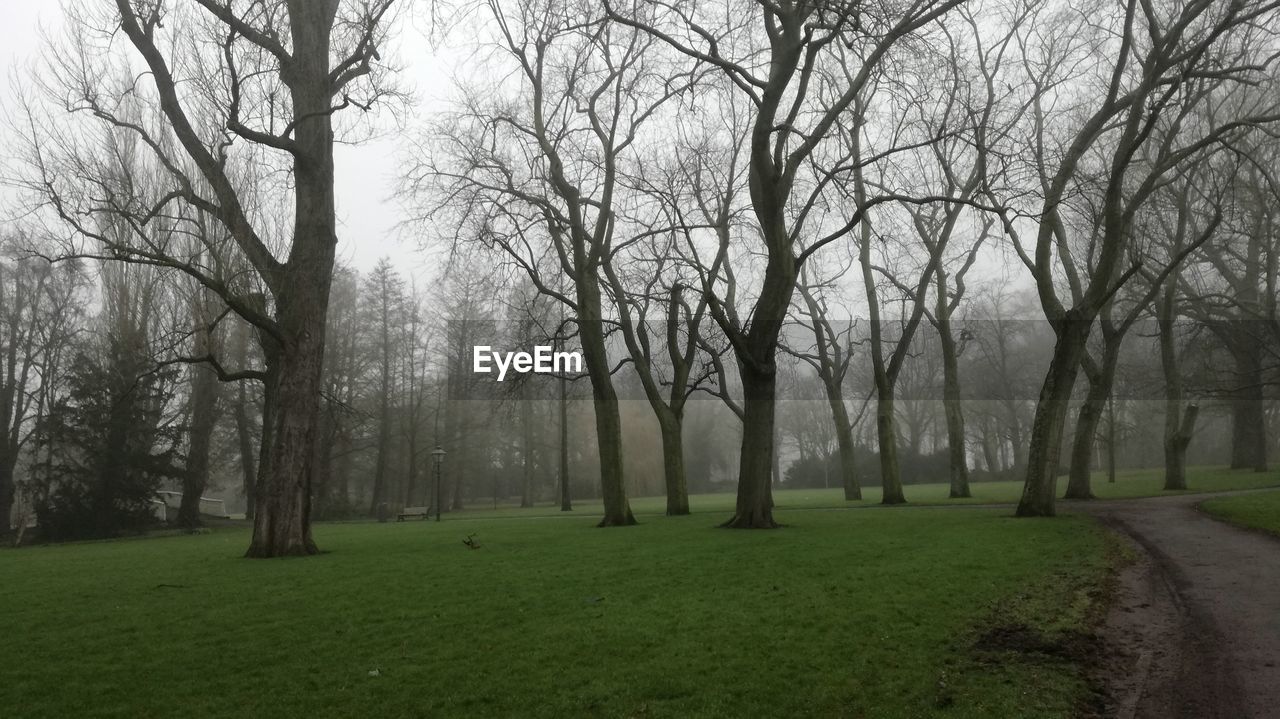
point(409, 512)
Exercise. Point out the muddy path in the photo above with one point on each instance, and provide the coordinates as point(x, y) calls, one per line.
point(1194, 630)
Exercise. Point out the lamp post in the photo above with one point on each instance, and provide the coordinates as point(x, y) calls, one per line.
point(437, 457)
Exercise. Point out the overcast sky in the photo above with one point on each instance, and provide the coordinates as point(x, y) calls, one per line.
point(367, 217)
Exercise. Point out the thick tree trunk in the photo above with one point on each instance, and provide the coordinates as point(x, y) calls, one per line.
point(617, 510)
point(1040, 487)
point(754, 508)
point(282, 525)
point(672, 429)
point(1248, 435)
point(282, 522)
point(1248, 413)
point(887, 437)
point(756, 353)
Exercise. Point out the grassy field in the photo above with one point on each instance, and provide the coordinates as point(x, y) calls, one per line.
point(1131, 483)
point(927, 612)
point(1258, 511)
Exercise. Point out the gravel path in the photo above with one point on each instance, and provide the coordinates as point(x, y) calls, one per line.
point(1195, 628)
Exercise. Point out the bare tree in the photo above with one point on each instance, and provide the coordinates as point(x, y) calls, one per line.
point(227, 84)
point(1164, 70)
point(829, 357)
point(39, 309)
point(537, 178)
point(802, 67)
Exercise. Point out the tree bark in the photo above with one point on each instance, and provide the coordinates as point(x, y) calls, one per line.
point(844, 444)
point(754, 507)
point(953, 409)
point(1177, 432)
point(672, 429)
point(1175, 449)
point(617, 511)
point(1041, 483)
point(887, 436)
point(1080, 479)
point(282, 524)
point(1248, 413)
point(1102, 381)
point(756, 352)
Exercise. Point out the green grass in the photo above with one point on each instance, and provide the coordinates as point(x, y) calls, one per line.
point(1256, 511)
point(1129, 483)
point(853, 614)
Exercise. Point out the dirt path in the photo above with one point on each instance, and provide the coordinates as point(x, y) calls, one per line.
point(1195, 628)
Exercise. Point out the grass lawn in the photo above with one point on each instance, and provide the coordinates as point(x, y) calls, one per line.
point(875, 614)
point(1129, 483)
point(1258, 511)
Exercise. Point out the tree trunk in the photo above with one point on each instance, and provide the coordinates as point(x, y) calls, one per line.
point(566, 503)
point(887, 437)
point(673, 462)
point(1113, 437)
point(953, 409)
point(282, 522)
point(282, 525)
point(617, 511)
point(1080, 479)
point(1175, 449)
point(1101, 383)
point(1040, 487)
point(1248, 414)
point(844, 444)
point(754, 508)
point(295, 357)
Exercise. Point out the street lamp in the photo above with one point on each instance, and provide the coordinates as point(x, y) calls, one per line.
point(437, 457)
